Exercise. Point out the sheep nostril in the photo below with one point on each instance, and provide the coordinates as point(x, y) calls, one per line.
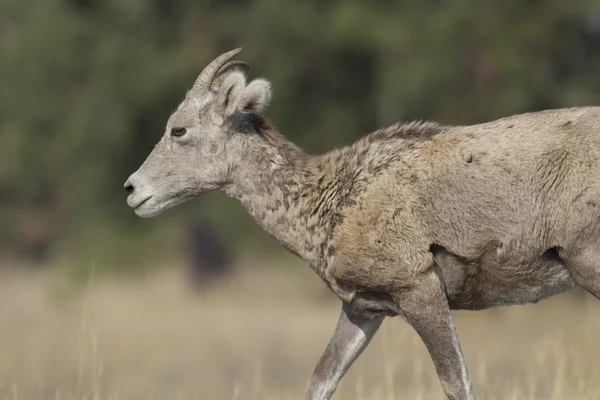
point(129, 188)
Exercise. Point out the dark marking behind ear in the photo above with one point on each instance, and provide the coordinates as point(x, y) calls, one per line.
point(249, 123)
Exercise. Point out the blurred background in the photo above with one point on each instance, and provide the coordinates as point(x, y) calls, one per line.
point(199, 303)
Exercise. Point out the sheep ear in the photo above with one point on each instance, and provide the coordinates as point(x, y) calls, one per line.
point(255, 97)
point(230, 92)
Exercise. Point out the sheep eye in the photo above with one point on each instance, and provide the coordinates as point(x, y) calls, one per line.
point(178, 131)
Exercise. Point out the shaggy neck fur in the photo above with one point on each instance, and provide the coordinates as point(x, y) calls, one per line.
point(298, 198)
point(278, 187)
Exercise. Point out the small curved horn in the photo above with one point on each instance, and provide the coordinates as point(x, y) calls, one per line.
point(231, 65)
point(240, 65)
point(206, 77)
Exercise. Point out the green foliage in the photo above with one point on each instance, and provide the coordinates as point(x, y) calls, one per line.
point(87, 86)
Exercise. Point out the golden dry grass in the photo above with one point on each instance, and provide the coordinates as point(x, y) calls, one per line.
point(258, 335)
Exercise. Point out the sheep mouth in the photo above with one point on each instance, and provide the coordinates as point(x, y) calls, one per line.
point(141, 203)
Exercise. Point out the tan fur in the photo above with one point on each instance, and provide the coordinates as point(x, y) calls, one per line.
point(385, 200)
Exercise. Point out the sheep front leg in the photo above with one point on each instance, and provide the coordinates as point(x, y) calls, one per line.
point(426, 308)
point(352, 334)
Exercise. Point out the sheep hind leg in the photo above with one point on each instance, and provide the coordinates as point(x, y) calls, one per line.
point(425, 307)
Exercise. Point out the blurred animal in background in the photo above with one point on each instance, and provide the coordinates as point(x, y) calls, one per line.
point(411, 220)
point(36, 232)
point(207, 253)
point(34, 239)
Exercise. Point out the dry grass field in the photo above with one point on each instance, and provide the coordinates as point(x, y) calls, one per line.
point(258, 335)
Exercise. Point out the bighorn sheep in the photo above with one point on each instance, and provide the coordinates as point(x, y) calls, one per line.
point(411, 220)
